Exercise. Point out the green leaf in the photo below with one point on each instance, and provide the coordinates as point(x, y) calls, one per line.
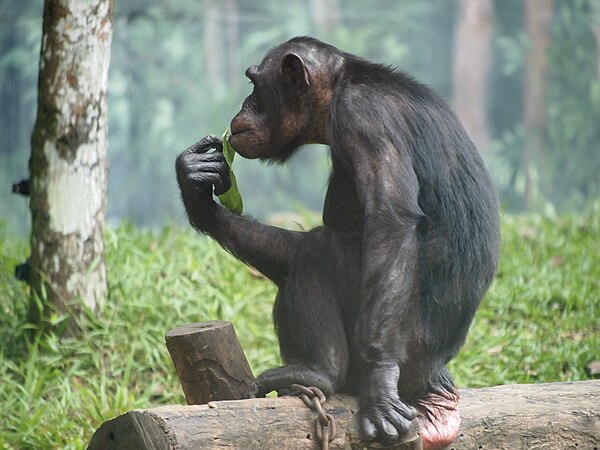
point(231, 199)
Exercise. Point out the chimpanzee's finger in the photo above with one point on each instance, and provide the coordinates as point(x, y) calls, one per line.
point(207, 143)
point(206, 178)
point(225, 182)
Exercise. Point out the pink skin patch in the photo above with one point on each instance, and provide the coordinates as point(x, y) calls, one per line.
point(439, 418)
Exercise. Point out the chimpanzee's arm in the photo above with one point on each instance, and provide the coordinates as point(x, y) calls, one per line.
point(388, 317)
point(389, 313)
point(267, 248)
point(388, 189)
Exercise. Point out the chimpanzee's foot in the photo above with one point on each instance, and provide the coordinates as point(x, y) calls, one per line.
point(439, 418)
point(385, 418)
point(282, 378)
point(383, 415)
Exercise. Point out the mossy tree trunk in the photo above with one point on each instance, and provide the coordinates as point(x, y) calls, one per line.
point(69, 163)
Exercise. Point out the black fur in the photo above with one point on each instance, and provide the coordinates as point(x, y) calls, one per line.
point(380, 298)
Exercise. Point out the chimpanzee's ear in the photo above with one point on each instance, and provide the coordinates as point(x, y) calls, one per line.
point(294, 72)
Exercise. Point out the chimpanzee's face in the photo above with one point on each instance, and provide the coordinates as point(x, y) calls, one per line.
point(272, 121)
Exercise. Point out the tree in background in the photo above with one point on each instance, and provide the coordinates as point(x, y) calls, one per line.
point(538, 18)
point(572, 135)
point(596, 30)
point(472, 38)
point(325, 14)
point(69, 165)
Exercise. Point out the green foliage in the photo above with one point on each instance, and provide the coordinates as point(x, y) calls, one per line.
point(573, 133)
point(538, 323)
point(231, 199)
point(566, 173)
point(56, 391)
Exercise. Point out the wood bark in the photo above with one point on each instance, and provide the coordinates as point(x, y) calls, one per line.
point(210, 362)
point(544, 416)
point(538, 18)
point(472, 40)
point(531, 417)
point(69, 164)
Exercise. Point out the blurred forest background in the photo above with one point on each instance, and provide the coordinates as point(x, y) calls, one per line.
point(523, 76)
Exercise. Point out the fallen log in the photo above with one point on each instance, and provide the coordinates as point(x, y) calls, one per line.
point(541, 416)
point(551, 416)
point(211, 366)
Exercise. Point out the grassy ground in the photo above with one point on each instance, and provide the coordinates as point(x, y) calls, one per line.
point(539, 322)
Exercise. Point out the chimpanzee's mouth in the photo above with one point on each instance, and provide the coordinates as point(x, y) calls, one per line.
point(238, 132)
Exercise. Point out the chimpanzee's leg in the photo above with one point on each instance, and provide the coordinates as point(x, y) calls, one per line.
point(312, 310)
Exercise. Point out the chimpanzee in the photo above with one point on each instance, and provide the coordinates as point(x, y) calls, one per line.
point(377, 300)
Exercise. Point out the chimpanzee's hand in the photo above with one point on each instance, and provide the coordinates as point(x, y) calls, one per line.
point(198, 172)
point(383, 416)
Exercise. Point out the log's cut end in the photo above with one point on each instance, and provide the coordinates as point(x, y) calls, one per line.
point(132, 430)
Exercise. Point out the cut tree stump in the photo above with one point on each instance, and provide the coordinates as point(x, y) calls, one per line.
point(552, 416)
point(209, 361)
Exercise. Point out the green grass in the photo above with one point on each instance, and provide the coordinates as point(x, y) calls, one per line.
point(540, 322)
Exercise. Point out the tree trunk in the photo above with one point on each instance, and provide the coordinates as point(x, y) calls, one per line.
point(596, 30)
point(471, 62)
point(214, 51)
point(538, 18)
point(325, 15)
point(69, 163)
point(234, 59)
